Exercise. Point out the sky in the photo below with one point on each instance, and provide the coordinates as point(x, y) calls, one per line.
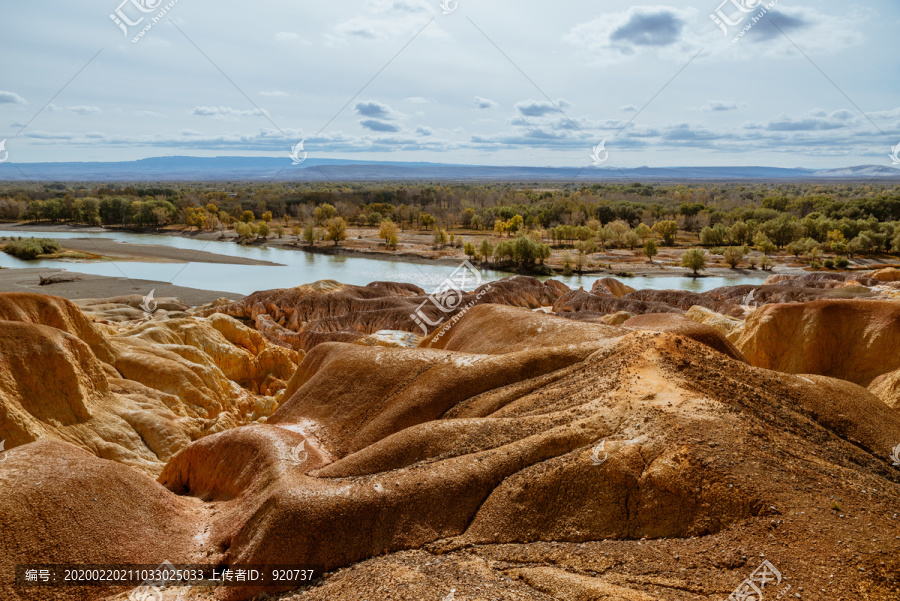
point(780, 83)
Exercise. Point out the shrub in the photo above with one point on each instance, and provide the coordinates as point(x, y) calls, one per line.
point(694, 259)
point(650, 250)
point(842, 263)
point(733, 256)
point(31, 248)
point(829, 264)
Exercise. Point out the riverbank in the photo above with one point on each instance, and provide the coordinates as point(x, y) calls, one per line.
point(106, 250)
point(85, 286)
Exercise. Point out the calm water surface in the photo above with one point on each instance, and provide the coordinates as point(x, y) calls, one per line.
point(301, 267)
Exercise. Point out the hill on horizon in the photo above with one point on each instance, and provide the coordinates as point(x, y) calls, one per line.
point(184, 168)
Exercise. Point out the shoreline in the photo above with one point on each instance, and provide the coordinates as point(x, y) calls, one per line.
point(87, 286)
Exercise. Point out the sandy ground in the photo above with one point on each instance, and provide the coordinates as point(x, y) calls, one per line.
point(122, 251)
point(96, 286)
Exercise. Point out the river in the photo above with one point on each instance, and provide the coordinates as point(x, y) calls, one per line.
point(301, 268)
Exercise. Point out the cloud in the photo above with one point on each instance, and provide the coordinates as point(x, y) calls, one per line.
point(763, 31)
point(628, 108)
point(816, 120)
point(418, 100)
point(287, 36)
point(619, 34)
point(11, 98)
point(809, 28)
point(485, 103)
point(649, 26)
point(424, 131)
point(374, 109)
point(388, 19)
point(224, 112)
point(381, 126)
point(714, 106)
point(85, 110)
point(147, 114)
point(541, 108)
point(78, 110)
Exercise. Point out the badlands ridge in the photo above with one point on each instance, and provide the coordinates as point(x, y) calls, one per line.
point(544, 443)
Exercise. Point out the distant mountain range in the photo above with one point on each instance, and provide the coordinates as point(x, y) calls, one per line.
point(277, 169)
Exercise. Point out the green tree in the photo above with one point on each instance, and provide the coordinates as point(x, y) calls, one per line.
point(666, 229)
point(325, 212)
point(486, 249)
point(650, 249)
point(733, 256)
point(694, 259)
point(310, 232)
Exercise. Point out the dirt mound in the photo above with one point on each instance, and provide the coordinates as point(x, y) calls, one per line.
point(678, 324)
point(496, 329)
point(522, 291)
point(729, 327)
point(484, 456)
point(682, 299)
point(522, 456)
point(134, 395)
point(301, 318)
point(787, 292)
point(55, 312)
point(848, 339)
point(861, 278)
point(62, 505)
point(611, 286)
point(576, 301)
point(888, 274)
point(614, 319)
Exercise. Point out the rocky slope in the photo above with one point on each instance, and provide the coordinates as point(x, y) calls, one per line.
point(513, 454)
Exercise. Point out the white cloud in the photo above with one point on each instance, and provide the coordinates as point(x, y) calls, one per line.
point(11, 98)
point(224, 112)
point(541, 108)
point(485, 103)
point(286, 36)
point(622, 34)
point(718, 106)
